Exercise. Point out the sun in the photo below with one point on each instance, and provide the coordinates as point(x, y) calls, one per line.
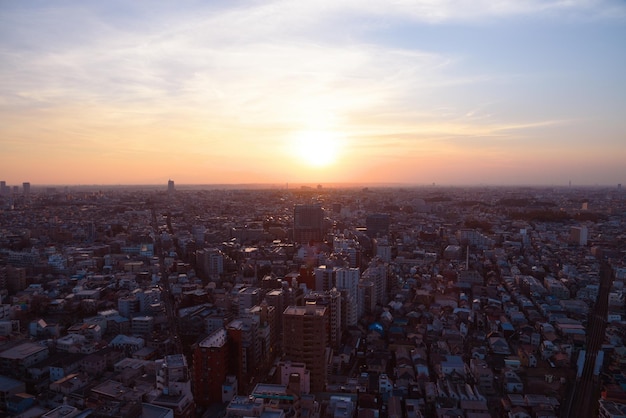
point(317, 148)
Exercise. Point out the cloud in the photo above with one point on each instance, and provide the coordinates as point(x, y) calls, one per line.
point(211, 63)
point(241, 77)
point(441, 11)
point(235, 60)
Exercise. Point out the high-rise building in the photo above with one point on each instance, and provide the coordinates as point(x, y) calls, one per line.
point(376, 272)
point(245, 347)
point(348, 249)
point(248, 297)
point(305, 333)
point(377, 224)
point(170, 186)
point(367, 297)
point(332, 299)
point(308, 223)
point(266, 332)
point(210, 261)
point(26, 189)
point(347, 282)
point(382, 249)
point(324, 278)
point(210, 367)
point(578, 235)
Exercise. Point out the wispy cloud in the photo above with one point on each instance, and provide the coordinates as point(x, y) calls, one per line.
point(441, 11)
point(232, 76)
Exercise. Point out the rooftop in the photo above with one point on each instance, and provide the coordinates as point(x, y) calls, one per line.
point(215, 340)
point(22, 351)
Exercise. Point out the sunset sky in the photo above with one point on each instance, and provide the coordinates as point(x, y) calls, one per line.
point(325, 91)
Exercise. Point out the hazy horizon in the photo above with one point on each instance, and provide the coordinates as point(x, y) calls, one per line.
point(314, 186)
point(276, 92)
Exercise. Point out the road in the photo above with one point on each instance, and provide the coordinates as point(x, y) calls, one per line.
point(168, 299)
point(584, 398)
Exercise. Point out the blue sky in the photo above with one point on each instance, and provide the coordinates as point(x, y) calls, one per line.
point(452, 92)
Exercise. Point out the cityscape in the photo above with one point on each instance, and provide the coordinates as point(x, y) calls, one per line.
point(314, 302)
point(313, 209)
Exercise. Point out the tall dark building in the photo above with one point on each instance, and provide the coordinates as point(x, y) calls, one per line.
point(308, 223)
point(305, 337)
point(26, 189)
point(377, 224)
point(210, 367)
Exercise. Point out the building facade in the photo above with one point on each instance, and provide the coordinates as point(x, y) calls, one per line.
point(308, 223)
point(305, 331)
point(210, 368)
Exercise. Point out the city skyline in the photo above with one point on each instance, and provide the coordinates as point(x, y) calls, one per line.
point(278, 92)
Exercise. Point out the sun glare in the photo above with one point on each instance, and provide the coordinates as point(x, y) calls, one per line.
point(317, 148)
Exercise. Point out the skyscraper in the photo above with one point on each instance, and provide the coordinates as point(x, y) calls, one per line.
point(305, 334)
point(308, 223)
point(170, 186)
point(26, 189)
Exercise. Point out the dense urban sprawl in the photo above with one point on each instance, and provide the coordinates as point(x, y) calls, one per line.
point(312, 302)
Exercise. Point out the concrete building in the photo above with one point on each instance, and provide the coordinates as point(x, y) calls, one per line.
point(578, 235)
point(142, 325)
point(210, 261)
point(174, 383)
point(288, 368)
point(308, 223)
point(10, 387)
point(26, 189)
point(14, 361)
point(324, 278)
point(210, 368)
point(248, 297)
point(128, 306)
point(305, 330)
point(347, 282)
point(332, 299)
point(377, 224)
